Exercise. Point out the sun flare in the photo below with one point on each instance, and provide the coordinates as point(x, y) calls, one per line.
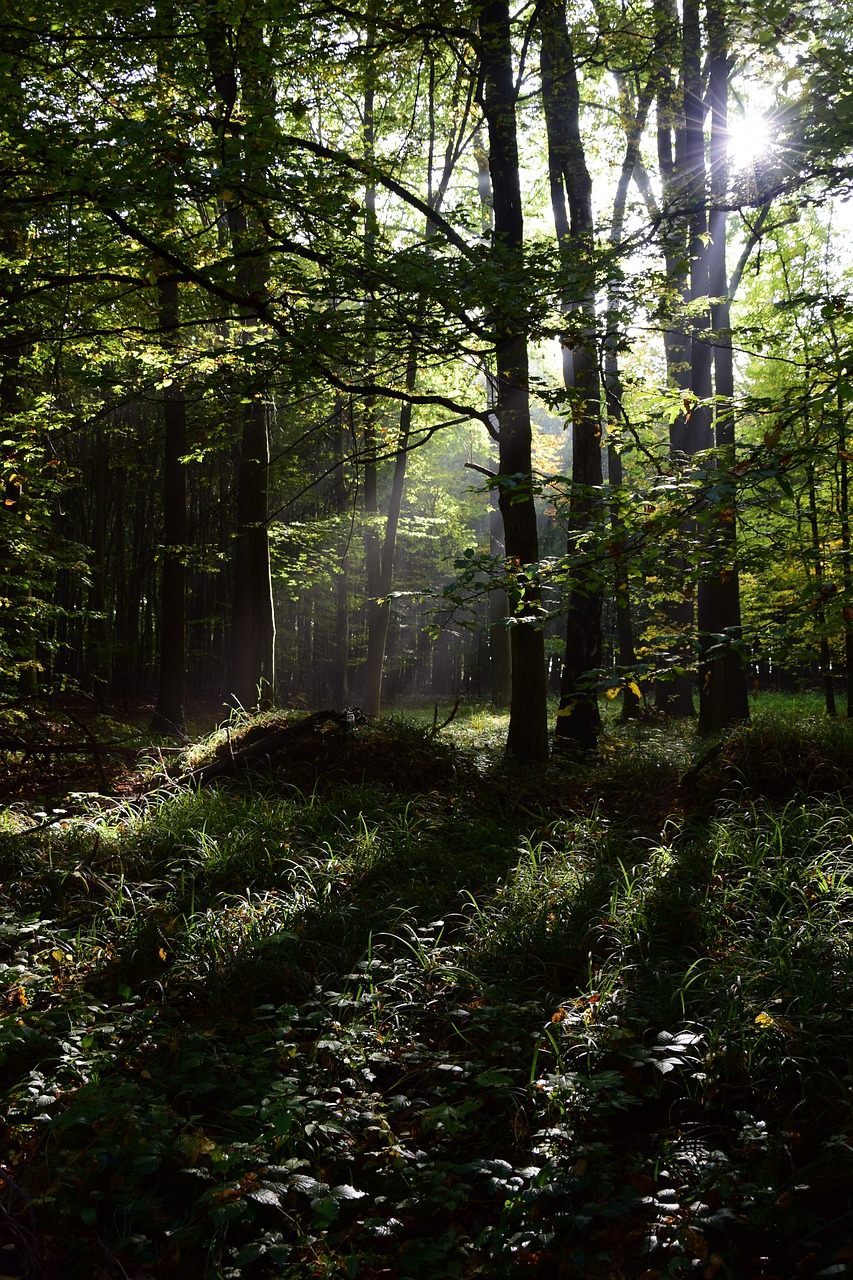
point(750, 137)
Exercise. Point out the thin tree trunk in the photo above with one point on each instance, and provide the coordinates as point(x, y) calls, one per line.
point(846, 556)
point(674, 693)
point(379, 606)
point(723, 696)
point(171, 687)
point(172, 631)
point(527, 738)
point(820, 595)
point(252, 655)
point(844, 458)
point(500, 658)
point(500, 644)
point(381, 559)
point(17, 618)
point(340, 658)
point(698, 424)
point(578, 718)
point(251, 675)
point(371, 685)
point(98, 659)
point(626, 654)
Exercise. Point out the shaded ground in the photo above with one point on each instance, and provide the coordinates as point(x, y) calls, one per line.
point(382, 1006)
point(55, 748)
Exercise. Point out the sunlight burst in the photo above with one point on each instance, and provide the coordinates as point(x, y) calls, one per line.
point(750, 138)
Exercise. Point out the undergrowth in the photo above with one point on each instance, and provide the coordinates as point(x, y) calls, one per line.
point(410, 1013)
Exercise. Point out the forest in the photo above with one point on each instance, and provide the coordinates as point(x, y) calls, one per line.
point(426, 640)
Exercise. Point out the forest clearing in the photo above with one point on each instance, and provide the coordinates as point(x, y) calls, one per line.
point(387, 1005)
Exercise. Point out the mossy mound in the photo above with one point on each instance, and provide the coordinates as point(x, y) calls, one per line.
point(329, 748)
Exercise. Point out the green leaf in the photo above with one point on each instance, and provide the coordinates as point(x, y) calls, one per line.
point(495, 1076)
point(346, 1192)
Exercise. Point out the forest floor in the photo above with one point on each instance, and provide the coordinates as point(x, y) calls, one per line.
point(378, 1004)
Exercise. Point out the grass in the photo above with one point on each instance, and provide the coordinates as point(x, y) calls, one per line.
point(390, 1008)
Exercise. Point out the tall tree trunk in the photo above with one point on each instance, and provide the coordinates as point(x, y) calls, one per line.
point(674, 693)
point(626, 654)
point(699, 437)
point(846, 555)
point(844, 522)
point(17, 618)
point(99, 650)
point(251, 674)
point(172, 631)
point(527, 738)
point(377, 626)
point(722, 682)
point(578, 718)
point(171, 687)
point(816, 558)
point(379, 606)
point(381, 559)
point(252, 653)
point(500, 657)
point(500, 643)
point(340, 656)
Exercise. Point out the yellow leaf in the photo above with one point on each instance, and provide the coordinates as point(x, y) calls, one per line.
point(765, 1020)
point(57, 955)
point(196, 1145)
point(613, 693)
point(162, 953)
point(635, 688)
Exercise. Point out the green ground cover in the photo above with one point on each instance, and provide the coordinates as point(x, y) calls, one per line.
point(386, 1006)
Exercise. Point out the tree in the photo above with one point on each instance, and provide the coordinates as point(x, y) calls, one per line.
point(528, 735)
point(722, 686)
point(578, 717)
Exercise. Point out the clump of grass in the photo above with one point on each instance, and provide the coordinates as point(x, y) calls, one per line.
point(778, 756)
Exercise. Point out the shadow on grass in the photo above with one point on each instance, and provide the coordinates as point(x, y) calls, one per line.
point(479, 1028)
